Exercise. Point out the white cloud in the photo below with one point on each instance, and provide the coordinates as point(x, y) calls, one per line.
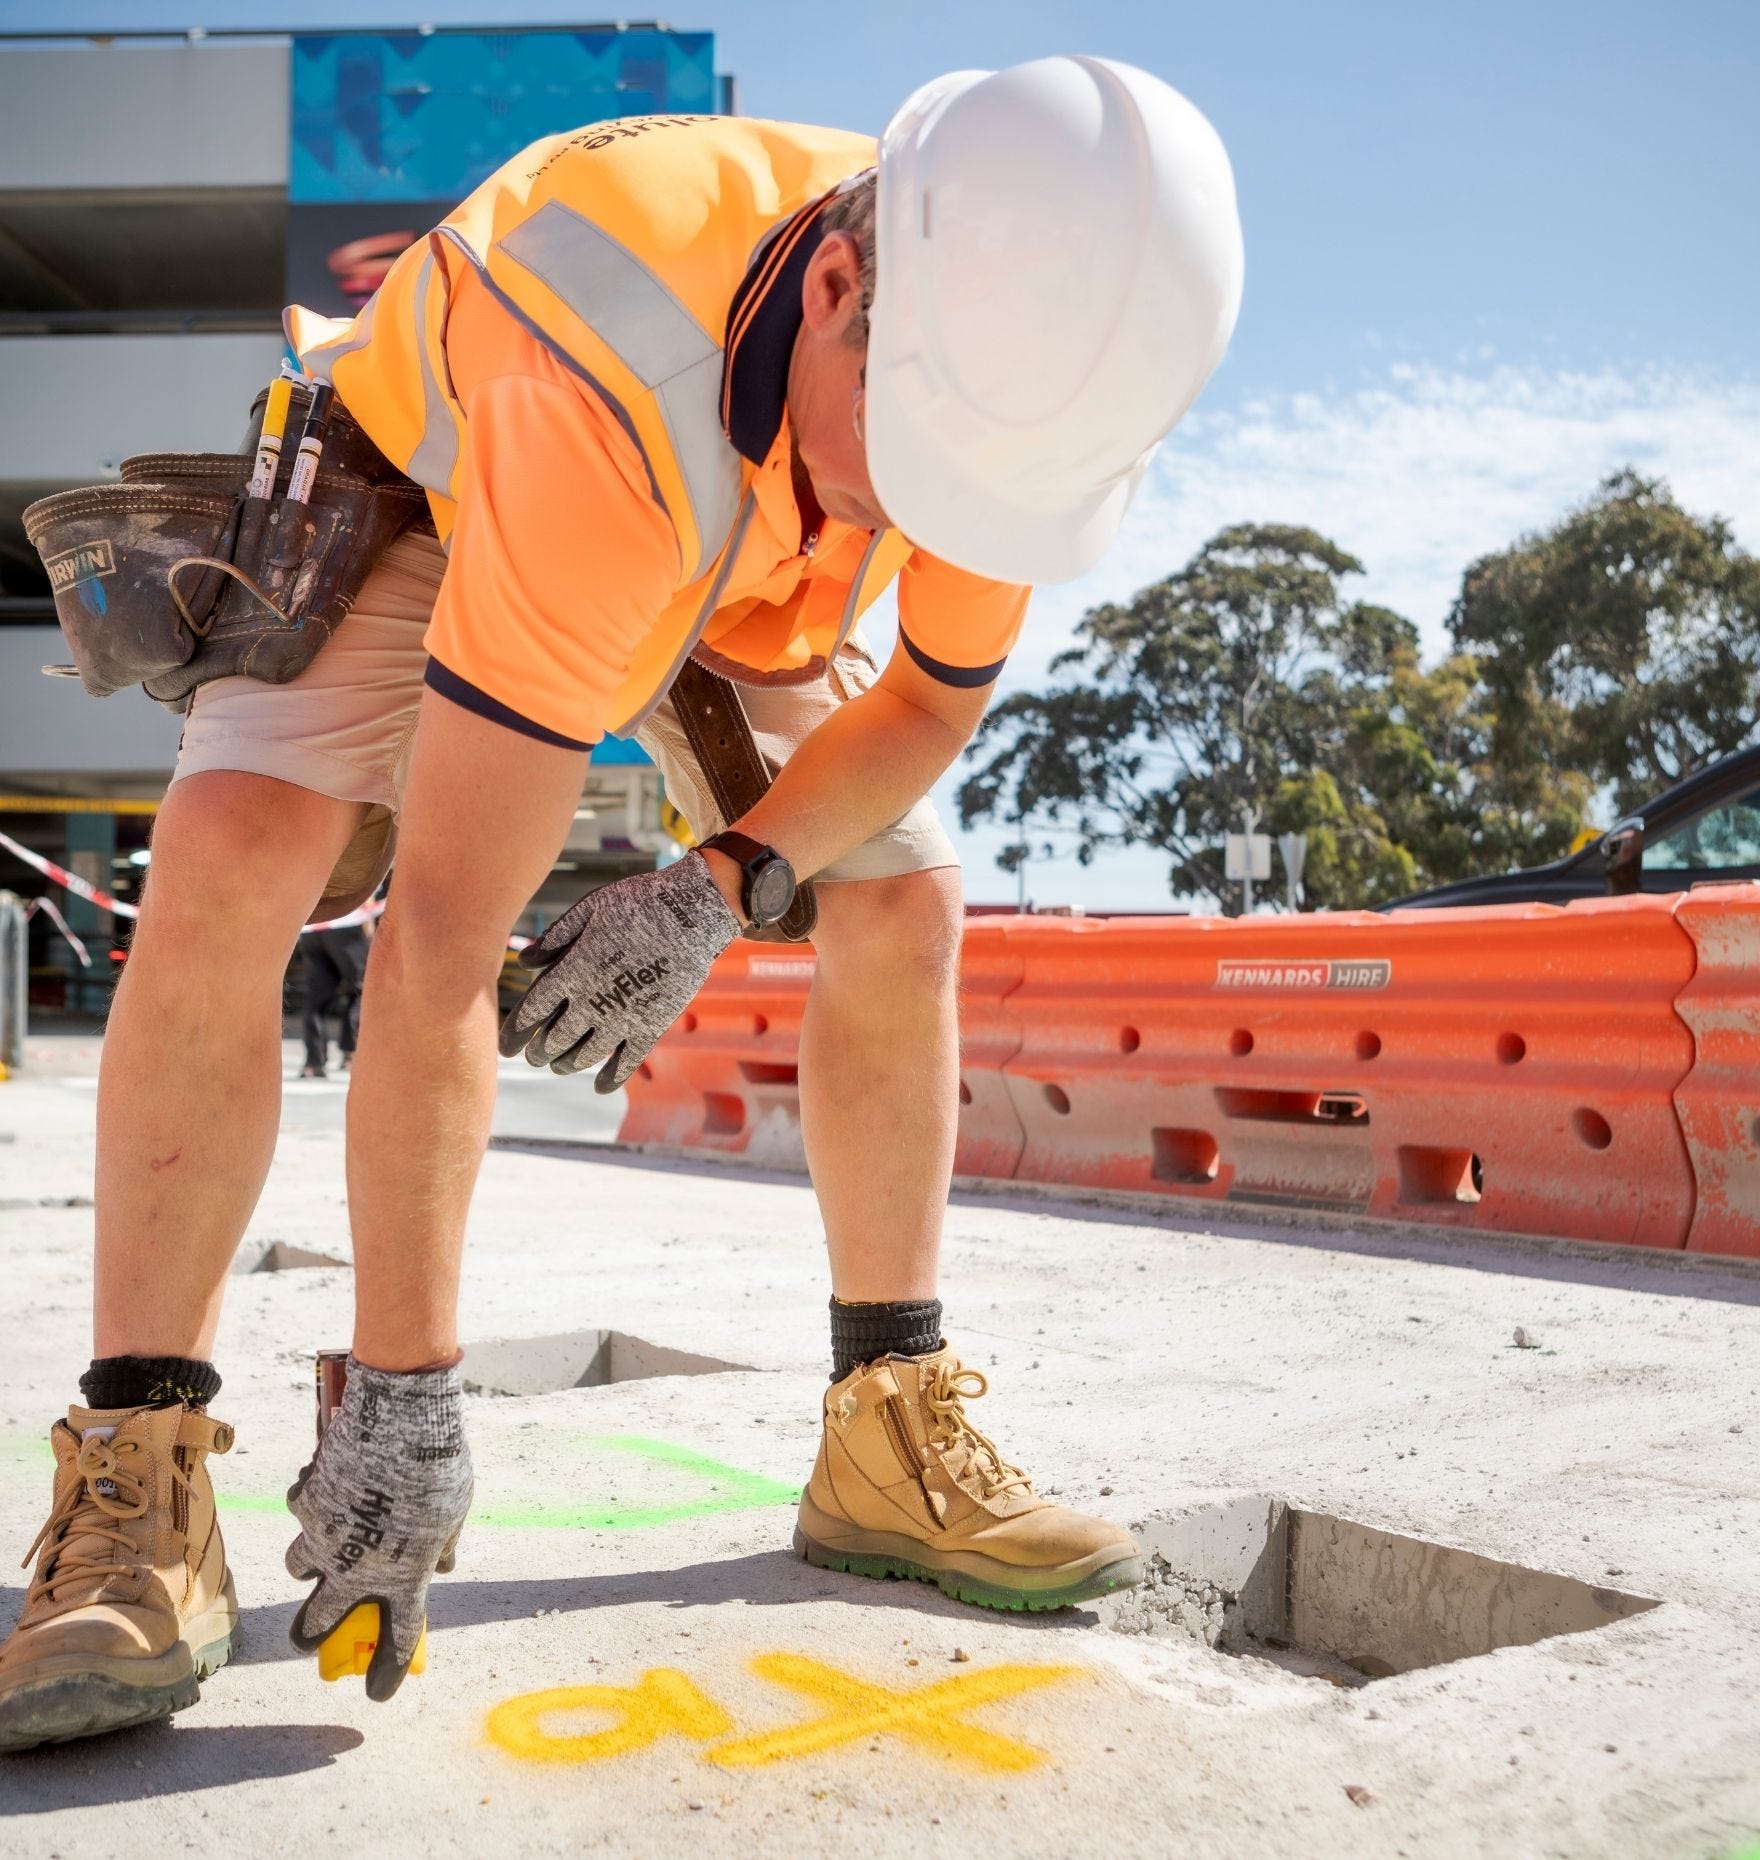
point(1416, 472)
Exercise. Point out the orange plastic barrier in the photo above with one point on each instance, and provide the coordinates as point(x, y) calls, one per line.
point(724, 1077)
point(990, 1135)
point(1587, 1073)
point(1503, 1069)
point(1719, 1101)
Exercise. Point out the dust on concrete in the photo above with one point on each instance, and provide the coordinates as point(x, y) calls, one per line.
point(1139, 1367)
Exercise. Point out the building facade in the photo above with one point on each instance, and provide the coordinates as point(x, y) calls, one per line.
point(161, 199)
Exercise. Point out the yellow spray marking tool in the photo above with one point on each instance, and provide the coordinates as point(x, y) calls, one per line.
point(347, 1650)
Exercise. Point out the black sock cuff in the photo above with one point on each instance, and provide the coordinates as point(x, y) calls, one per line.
point(149, 1382)
point(861, 1333)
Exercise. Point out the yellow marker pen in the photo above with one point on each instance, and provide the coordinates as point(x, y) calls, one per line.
point(269, 441)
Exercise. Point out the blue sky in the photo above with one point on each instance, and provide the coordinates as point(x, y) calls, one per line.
point(1492, 252)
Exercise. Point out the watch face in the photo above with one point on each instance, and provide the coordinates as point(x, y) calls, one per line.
point(772, 891)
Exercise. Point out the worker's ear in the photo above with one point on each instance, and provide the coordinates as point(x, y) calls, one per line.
point(831, 288)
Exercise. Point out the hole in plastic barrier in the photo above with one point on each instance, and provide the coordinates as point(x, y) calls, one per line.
point(1368, 1045)
point(1436, 1177)
point(1594, 1131)
point(1188, 1156)
point(1240, 1043)
point(1058, 1099)
point(1129, 1039)
point(1292, 1107)
point(769, 1072)
point(1512, 1049)
point(760, 1023)
point(965, 1092)
point(724, 1115)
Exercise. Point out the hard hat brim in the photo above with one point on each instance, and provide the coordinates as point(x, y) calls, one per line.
point(931, 497)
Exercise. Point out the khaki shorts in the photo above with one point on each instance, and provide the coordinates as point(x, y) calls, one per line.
point(344, 728)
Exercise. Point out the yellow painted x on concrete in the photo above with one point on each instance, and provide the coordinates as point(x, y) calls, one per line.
point(662, 1703)
point(929, 1716)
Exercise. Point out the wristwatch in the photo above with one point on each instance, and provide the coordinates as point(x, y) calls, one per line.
point(767, 880)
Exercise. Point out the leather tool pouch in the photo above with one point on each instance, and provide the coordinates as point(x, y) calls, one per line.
point(714, 721)
point(177, 575)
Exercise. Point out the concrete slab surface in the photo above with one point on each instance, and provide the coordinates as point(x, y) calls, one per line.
point(630, 1660)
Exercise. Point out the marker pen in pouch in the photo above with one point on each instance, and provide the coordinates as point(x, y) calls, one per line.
point(269, 442)
point(311, 443)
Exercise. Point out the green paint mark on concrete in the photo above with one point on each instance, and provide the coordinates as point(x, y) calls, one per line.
point(727, 1489)
point(250, 1501)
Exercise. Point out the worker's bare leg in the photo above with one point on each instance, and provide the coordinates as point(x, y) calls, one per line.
point(484, 815)
point(189, 1091)
point(879, 1078)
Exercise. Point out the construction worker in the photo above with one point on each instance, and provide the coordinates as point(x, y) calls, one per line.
point(678, 388)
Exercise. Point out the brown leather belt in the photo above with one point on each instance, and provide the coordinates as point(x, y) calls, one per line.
point(715, 725)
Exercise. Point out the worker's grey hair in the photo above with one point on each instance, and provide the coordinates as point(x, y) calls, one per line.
point(852, 212)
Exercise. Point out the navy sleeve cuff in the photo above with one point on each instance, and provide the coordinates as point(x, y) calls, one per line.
point(967, 677)
point(463, 693)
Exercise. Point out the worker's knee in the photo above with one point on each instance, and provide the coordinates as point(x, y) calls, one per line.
point(885, 933)
point(431, 944)
point(238, 861)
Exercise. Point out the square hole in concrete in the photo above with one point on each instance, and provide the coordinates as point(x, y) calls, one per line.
point(1332, 1599)
point(281, 1256)
point(577, 1359)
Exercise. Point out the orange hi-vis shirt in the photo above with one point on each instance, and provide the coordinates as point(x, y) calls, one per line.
point(604, 517)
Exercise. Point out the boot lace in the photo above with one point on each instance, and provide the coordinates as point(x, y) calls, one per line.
point(91, 1515)
point(952, 1433)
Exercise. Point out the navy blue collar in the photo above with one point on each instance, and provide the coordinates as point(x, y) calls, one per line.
point(762, 323)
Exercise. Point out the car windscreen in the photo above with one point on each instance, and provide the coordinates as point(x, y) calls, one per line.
point(1724, 839)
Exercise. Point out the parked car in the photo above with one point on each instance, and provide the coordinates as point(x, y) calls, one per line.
point(1704, 828)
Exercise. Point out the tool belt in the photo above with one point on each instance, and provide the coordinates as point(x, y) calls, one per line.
point(177, 575)
point(715, 725)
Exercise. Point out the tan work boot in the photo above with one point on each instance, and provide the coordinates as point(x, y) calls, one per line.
point(906, 1486)
point(131, 1604)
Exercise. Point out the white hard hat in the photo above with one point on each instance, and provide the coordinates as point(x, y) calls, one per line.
point(1057, 271)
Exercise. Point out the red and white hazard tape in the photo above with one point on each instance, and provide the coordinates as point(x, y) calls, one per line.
point(52, 911)
point(69, 881)
point(82, 888)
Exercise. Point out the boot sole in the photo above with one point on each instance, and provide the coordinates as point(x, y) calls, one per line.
point(85, 1698)
point(968, 1576)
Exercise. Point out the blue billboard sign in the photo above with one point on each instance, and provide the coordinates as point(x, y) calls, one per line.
point(391, 130)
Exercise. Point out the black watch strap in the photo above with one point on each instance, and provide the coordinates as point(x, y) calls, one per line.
point(741, 848)
point(756, 862)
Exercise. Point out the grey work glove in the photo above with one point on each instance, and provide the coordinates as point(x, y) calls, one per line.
point(381, 1506)
point(617, 969)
